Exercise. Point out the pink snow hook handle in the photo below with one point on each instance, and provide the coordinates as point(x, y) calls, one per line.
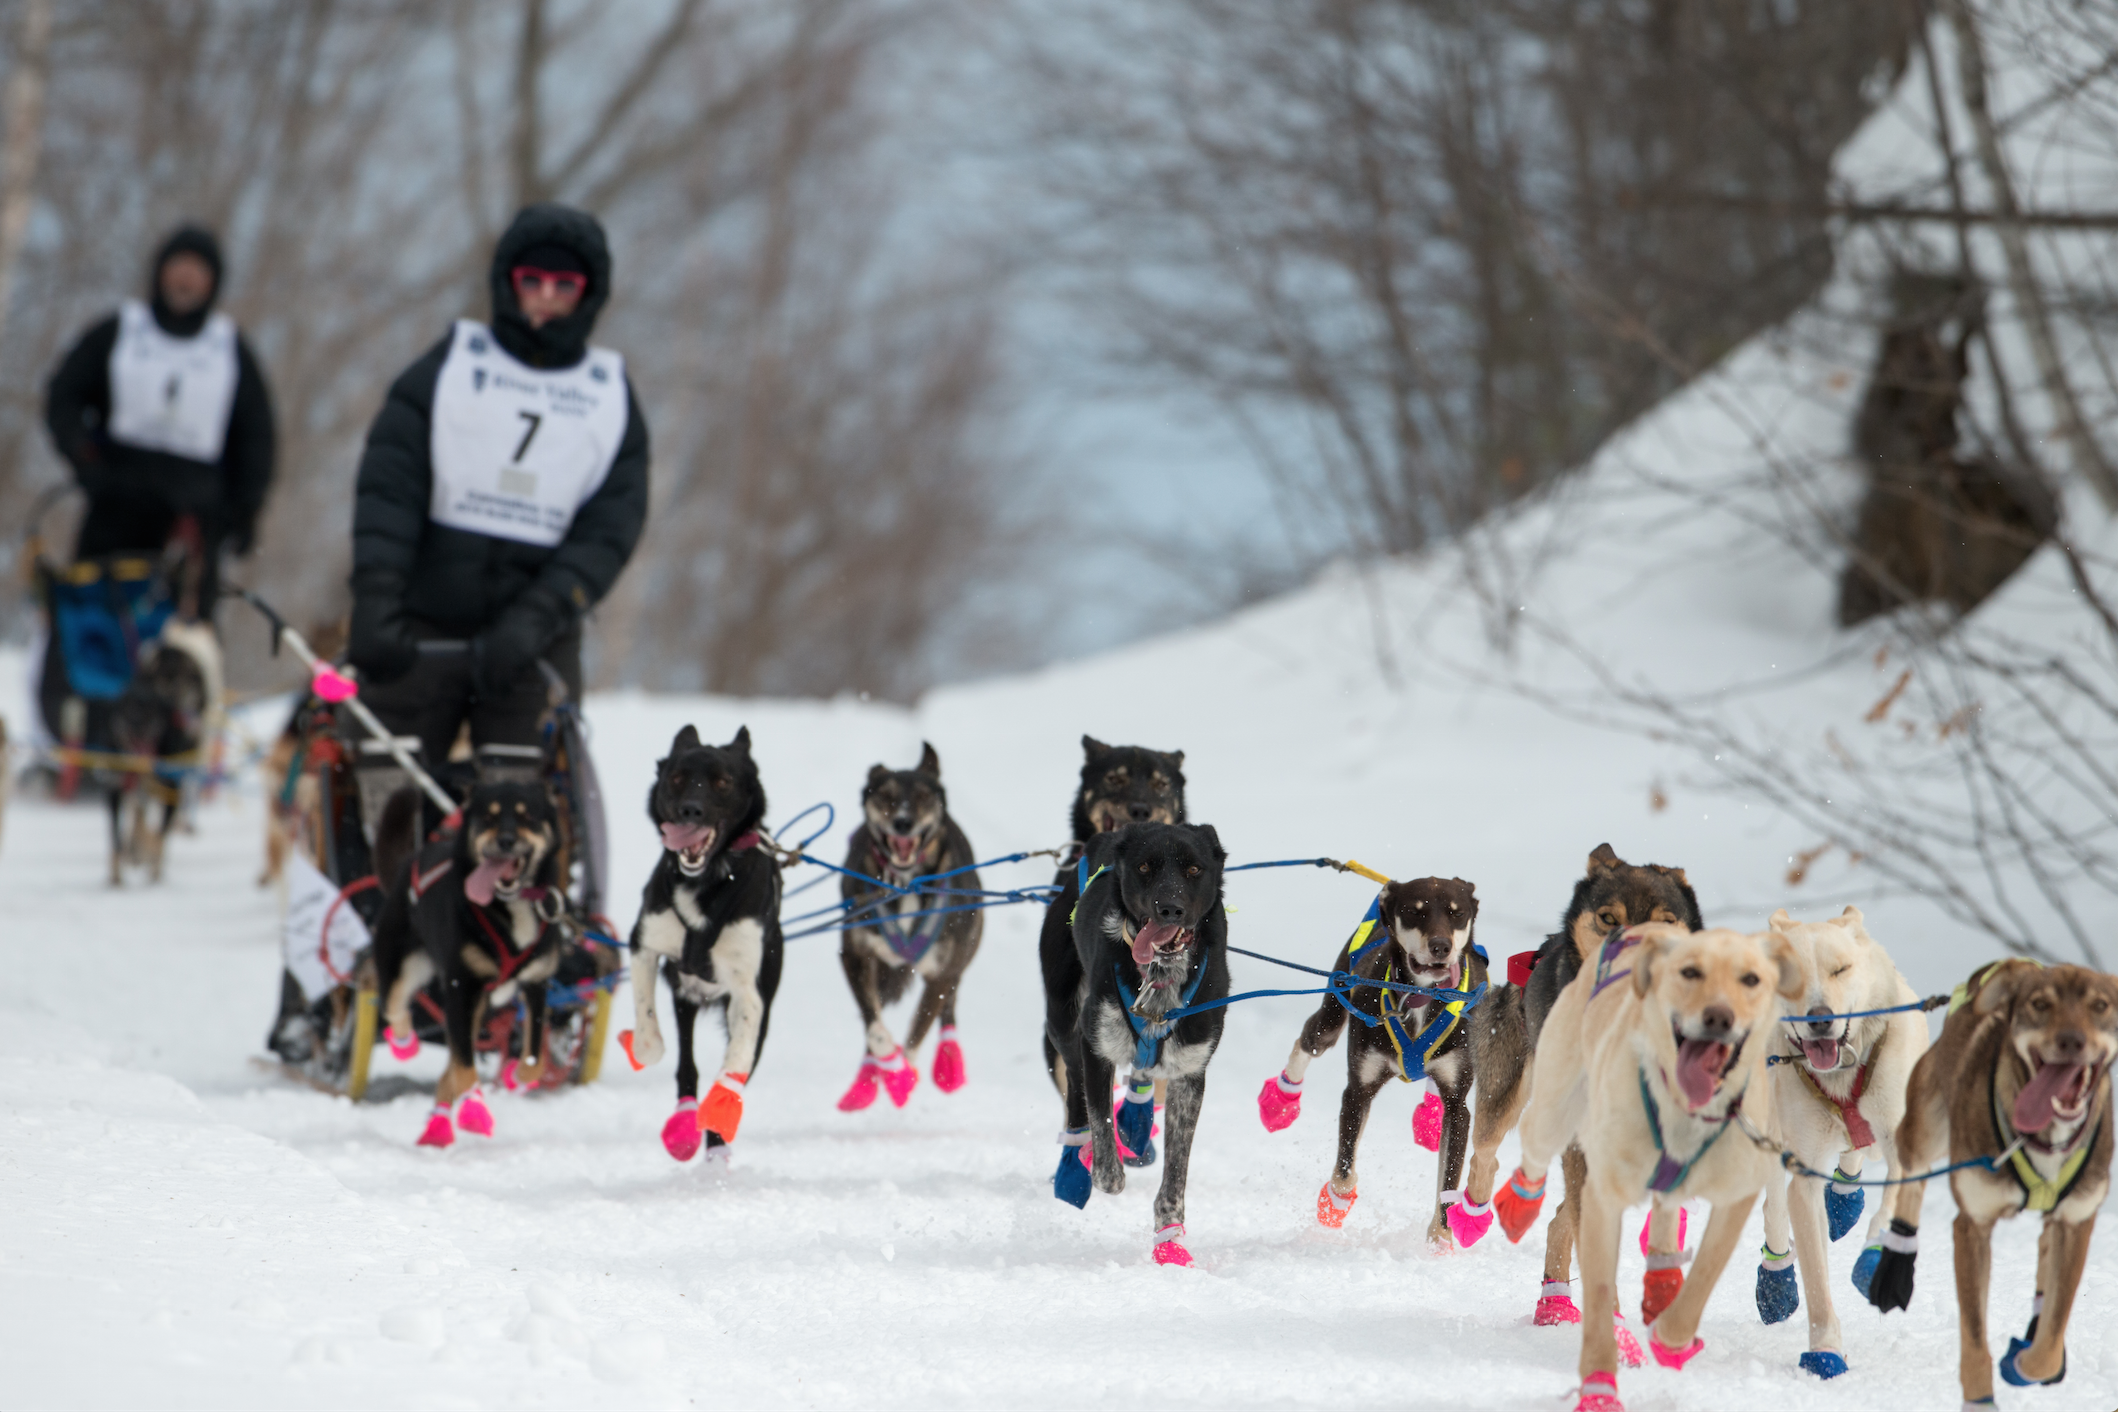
point(333, 686)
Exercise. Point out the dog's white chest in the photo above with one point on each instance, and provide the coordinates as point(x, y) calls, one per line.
point(736, 954)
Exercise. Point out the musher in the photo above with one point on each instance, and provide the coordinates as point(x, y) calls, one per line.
point(502, 489)
point(163, 414)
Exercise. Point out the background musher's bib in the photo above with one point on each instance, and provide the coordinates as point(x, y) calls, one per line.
point(517, 450)
point(172, 394)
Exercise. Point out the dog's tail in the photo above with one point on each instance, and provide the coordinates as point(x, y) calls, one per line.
point(397, 837)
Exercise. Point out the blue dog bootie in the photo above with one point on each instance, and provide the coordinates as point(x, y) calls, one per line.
point(2014, 1375)
point(1071, 1182)
point(1779, 1291)
point(1864, 1268)
point(1136, 1123)
point(1843, 1203)
point(1823, 1363)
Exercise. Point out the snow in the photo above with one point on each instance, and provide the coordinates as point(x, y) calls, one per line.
point(223, 1236)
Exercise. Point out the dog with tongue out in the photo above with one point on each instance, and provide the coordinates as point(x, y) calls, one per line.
point(709, 925)
point(1150, 949)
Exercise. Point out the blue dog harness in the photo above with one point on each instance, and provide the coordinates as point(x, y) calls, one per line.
point(1149, 1034)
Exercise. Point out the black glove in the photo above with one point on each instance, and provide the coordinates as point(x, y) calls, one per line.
point(504, 652)
point(381, 643)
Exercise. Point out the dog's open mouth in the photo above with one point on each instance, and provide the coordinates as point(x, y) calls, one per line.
point(1159, 938)
point(2055, 1093)
point(904, 848)
point(1107, 816)
point(493, 876)
point(1822, 1054)
point(691, 843)
point(1442, 977)
point(1701, 1064)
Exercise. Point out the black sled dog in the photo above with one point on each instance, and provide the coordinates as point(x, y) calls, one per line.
point(709, 922)
point(479, 906)
point(161, 716)
point(1150, 939)
point(906, 832)
point(1419, 933)
point(1120, 785)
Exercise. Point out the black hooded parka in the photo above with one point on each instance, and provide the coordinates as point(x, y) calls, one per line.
point(415, 577)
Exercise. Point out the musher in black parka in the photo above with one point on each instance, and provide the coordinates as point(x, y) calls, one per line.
point(502, 489)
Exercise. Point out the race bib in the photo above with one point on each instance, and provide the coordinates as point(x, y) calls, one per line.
point(517, 450)
point(172, 394)
point(321, 936)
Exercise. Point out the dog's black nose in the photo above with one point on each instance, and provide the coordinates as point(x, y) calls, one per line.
point(1170, 912)
point(2067, 1046)
point(902, 823)
point(1821, 1018)
point(1716, 1022)
point(1141, 812)
point(691, 811)
point(1438, 947)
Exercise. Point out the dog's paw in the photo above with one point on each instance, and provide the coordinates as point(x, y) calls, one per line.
point(1674, 1357)
point(521, 1074)
point(1891, 1285)
point(2011, 1369)
point(1279, 1103)
point(1071, 1182)
point(1134, 1123)
point(1779, 1290)
point(1556, 1306)
point(1658, 1290)
point(1169, 1246)
point(899, 1077)
point(948, 1061)
point(722, 1112)
point(1843, 1205)
point(1822, 1362)
point(1108, 1173)
point(864, 1087)
point(1426, 1122)
point(402, 1046)
point(642, 1046)
point(1864, 1269)
point(680, 1135)
point(473, 1116)
point(440, 1132)
point(1517, 1203)
point(1468, 1222)
point(1628, 1347)
point(1331, 1208)
point(1599, 1393)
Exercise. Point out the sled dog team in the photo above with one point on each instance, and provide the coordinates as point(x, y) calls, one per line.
point(1652, 1057)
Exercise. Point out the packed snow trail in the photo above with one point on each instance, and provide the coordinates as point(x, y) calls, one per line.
point(188, 1228)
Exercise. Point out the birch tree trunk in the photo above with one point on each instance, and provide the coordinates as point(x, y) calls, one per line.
point(25, 140)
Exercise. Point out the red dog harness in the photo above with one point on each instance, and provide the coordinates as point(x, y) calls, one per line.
point(1857, 1130)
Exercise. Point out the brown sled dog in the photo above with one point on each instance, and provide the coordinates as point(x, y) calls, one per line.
point(1423, 938)
point(1611, 895)
point(2021, 1077)
point(906, 833)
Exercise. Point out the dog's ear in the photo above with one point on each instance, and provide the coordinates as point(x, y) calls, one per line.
point(1213, 842)
point(1644, 963)
point(741, 743)
point(687, 739)
point(1794, 977)
point(1998, 991)
point(1093, 749)
point(928, 760)
point(1852, 920)
point(1604, 860)
point(877, 774)
point(1176, 759)
point(1779, 921)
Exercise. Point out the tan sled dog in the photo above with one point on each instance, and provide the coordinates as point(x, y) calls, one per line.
point(1649, 1058)
point(2021, 1077)
point(1838, 1094)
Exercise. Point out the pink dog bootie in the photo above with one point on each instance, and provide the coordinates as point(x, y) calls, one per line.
point(1468, 1222)
point(473, 1116)
point(1426, 1122)
point(1279, 1102)
point(866, 1084)
point(402, 1046)
point(440, 1132)
point(1673, 1357)
point(1628, 1347)
point(948, 1061)
point(1599, 1393)
point(1555, 1305)
point(899, 1077)
point(1169, 1246)
point(680, 1135)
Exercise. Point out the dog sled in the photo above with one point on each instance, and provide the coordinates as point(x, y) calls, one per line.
point(333, 773)
point(103, 617)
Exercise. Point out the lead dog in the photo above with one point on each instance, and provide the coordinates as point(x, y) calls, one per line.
point(2020, 1077)
point(1420, 933)
point(1150, 938)
point(1611, 895)
point(1838, 1088)
point(709, 923)
point(478, 907)
point(1647, 1061)
point(906, 832)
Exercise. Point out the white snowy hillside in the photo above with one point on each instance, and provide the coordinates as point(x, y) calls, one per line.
point(187, 1228)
